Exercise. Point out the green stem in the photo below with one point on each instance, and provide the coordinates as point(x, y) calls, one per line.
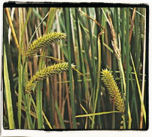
point(98, 80)
point(127, 62)
point(67, 18)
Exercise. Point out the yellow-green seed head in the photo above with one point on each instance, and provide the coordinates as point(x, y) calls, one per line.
point(113, 90)
point(44, 41)
point(29, 86)
point(51, 70)
point(43, 73)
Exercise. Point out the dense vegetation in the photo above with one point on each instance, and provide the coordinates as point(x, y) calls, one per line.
point(75, 68)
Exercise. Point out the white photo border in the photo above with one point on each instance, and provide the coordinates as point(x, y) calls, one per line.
point(87, 133)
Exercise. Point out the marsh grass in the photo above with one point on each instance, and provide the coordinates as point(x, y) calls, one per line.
point(110, 38)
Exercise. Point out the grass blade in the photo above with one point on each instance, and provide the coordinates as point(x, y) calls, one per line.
point(139, 90)
point(96, 114)
point(8, 93)
point(60, 116)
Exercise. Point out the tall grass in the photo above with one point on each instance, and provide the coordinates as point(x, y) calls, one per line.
point(100, 38)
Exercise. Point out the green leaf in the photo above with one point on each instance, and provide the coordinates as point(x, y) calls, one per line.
point(8, 93)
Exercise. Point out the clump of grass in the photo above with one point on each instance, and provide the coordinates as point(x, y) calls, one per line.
point(113, 90)
point(44, 41)
point(43, 73)
point(122, 42)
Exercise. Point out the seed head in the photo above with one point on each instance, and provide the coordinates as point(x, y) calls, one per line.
point(44, 41)
point(113, 90)
point(46, 72)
